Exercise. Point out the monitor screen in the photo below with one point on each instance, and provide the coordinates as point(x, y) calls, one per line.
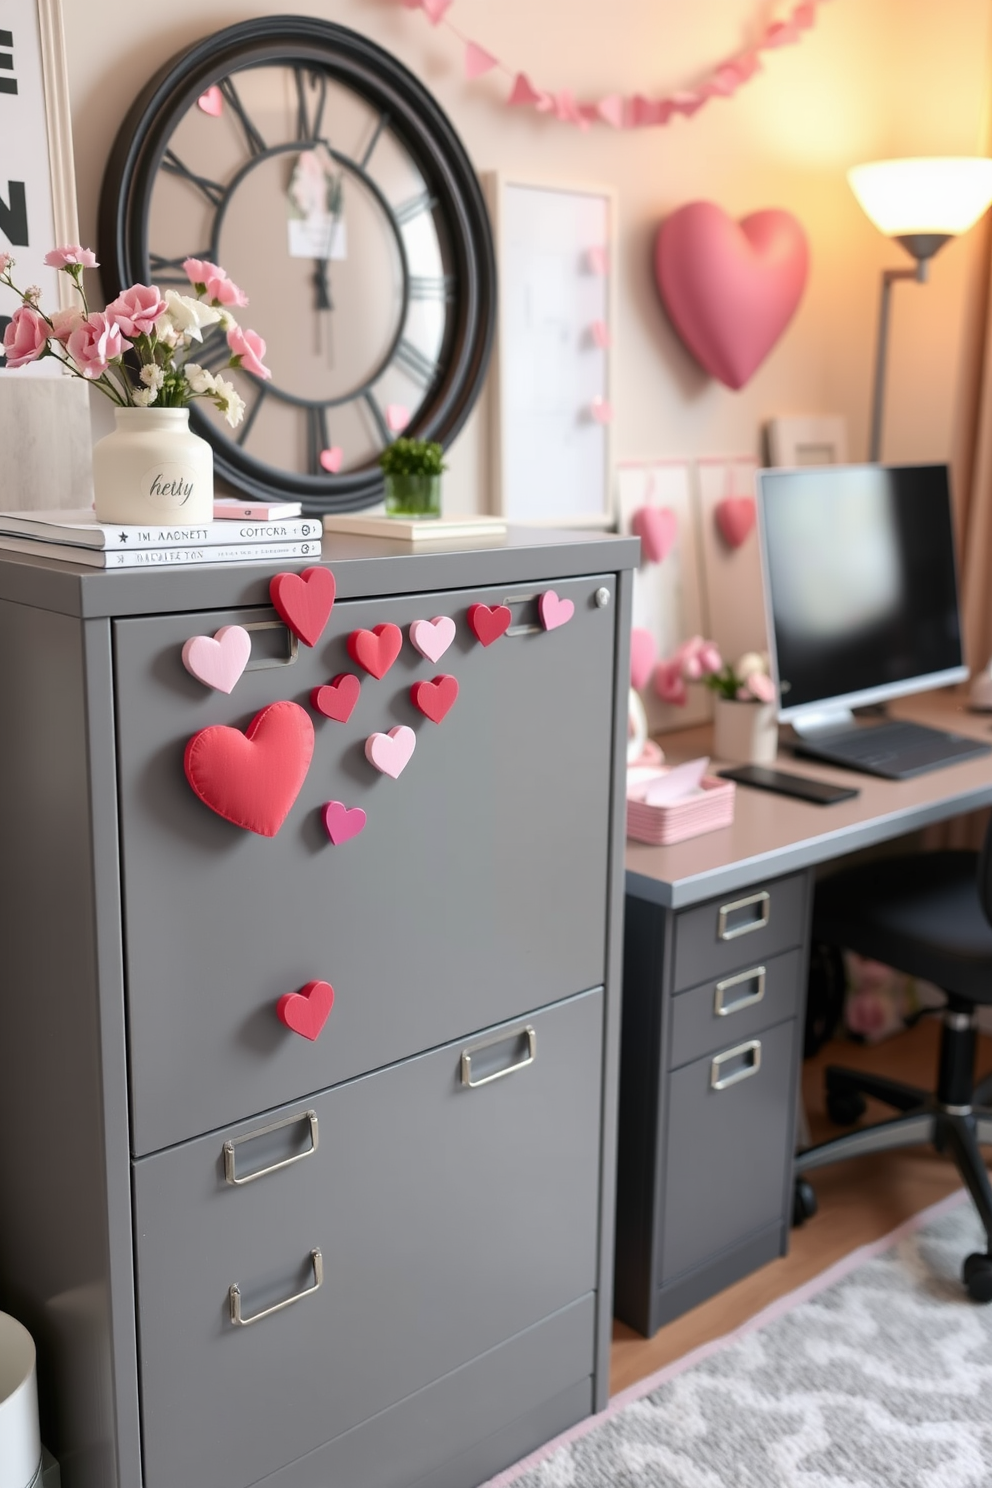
point(860, 583)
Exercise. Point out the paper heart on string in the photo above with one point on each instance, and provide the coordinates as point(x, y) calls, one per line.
point(218, 661)
point(342, 822)
point(376, 649)
point(306, 1011)
point(304, 601)
point(432, 637)
point(337, 698)
point(730, 288)
point(643, 650)
point(478, 61)
point(657, 527)
point(252, 779)
point(211, 102)
point(330, 459)
point(735, 517)
point(391, 752)
point(435, 699)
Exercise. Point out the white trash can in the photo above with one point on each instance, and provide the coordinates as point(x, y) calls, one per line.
point(20, 1439)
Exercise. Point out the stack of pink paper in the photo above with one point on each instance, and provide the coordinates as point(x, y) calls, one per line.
point(669, 805)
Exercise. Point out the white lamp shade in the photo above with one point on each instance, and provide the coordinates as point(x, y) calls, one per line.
point(932, 195)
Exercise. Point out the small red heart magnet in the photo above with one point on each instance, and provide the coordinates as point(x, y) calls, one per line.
point(377, 649)
point(337, 698)
point(306, 1011)
point(435, 699)
point(488, 623)
point(342, 822)
point(304, 601)
point(735, 516)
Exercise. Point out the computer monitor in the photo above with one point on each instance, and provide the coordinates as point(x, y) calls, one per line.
point(860, 580)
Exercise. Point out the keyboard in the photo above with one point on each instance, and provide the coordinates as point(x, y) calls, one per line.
point(895, 750)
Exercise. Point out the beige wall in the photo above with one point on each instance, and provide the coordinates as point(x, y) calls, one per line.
point(875, 78)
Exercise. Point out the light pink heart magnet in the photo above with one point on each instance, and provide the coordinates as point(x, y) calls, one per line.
point(554, 611)
point(735, 517)
point(212, 102)
point(397, 417)
point(391, 752)
point(432, 637)
point(218, 661)
point(643, 650)
point(343, 822)
point(330, 459)
point(657, 527)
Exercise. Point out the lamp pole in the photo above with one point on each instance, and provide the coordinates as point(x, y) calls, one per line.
point(922, 246)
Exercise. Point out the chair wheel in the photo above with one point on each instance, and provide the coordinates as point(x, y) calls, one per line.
point(845, 1107)
point(804, 1204)
point(976, 1273)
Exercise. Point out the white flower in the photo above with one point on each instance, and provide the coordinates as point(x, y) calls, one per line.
point(152, 376)
point(144, 396)
point(227, 320)
point(199, 379)
point(229, 401)
point(750, 662)
point(185, 316)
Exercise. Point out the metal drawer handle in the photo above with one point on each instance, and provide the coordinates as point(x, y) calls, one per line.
point(722, 1008)
point(731, 932)
point(232, 1144)
point(234, 1295)
point(752, 1048)
point(510, 1069)
point(523, 628)
point(263, 662)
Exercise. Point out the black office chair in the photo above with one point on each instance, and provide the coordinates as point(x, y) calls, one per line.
point(929, 914)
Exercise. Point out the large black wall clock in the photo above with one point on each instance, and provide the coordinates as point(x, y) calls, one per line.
point(330, 186)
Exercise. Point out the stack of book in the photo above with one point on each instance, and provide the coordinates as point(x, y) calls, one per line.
point(241, 532)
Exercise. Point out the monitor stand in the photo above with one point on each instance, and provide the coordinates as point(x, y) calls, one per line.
point(818, 723)
point(892, 748)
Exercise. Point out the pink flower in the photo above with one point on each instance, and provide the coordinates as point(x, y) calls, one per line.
point(64, 322)
point(136, 310)
point(226, 292)
point(212, 281)
point(6, 259)
point(692, 667)
point(710, 658)
point(250, 347)
point(669, 683)
point(95, 344)
point(760, 686)
point(26, 338)
point(61, 258)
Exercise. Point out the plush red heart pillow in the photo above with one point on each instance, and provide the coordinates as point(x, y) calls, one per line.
point(252, 778)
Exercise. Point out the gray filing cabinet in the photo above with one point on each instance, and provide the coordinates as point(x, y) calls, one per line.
point(713, 1005)
point(174, 1158)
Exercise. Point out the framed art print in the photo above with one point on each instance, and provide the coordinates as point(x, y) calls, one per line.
point(807, 441)
point(553, 384)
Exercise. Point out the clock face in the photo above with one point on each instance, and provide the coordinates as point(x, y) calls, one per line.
point(325, 180)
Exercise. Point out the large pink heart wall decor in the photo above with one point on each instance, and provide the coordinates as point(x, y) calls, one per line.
point(730, 288)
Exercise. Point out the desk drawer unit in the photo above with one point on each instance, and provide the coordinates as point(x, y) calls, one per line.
point(733, 1007)
point(729, 933)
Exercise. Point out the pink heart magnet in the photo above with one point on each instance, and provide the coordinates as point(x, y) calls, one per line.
point(657, 527)
point(218, 661)
point(343, 822)
point(735, 516)
point(337, 698)
point(435, 699)
point(554, 611)
point(330, 459)
point(212, 102)
point(488, 622)
point(304, 601)
point(306, 1011)
point(397, 417)
point(643, 650)
point(391, 752)
point(432, 637)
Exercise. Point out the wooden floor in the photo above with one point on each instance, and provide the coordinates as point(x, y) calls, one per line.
point(859, 1201)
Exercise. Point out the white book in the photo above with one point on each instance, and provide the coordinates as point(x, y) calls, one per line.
point(171, 557)
point(81, 529)
point(415, 529)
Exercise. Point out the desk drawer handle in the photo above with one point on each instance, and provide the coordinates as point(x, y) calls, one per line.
point(233, 1143)
point(261, 663)
point(234, 1295)
point(510, 1069)
point(726, 931)
point(750, 1053)
point(722, 1008)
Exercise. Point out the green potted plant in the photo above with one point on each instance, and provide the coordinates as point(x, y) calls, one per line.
point(413, 477)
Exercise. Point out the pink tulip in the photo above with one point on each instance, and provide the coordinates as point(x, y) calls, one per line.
point(61, 258)
point(760, 686)
point(26, 338)
point(250, 347)
point(669, 683)
point(136, 310)
point(95, 344)
point(214, 281)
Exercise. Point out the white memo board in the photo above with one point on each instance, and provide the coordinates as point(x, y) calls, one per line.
point(552, 385)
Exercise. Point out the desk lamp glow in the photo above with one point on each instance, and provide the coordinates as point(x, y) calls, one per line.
point(920, 203)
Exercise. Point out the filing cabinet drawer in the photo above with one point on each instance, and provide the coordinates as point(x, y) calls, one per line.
point(737, 930)
point(734, 1007)
point(453, 1202)
point(220, 923)
point(726, 1148)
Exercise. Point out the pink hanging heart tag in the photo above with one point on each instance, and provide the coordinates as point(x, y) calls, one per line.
point(643, 650)
point(735, 517)
point(657, 527)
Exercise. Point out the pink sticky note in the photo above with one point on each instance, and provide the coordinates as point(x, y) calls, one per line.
point(600, 333)
point(677, 783)
point(211, 102)
point(596, 260)
point(478, 60)
point(601, 410)
point(397, 417)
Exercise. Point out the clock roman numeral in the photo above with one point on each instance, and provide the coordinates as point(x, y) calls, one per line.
point(406, 211)
point(380, 125)
point(378, 418)
point(254, 140)
point(432, 287)
point(305, 129)
point(418, 366)
point(250, 416)
point(318, 438)
point(212, 190)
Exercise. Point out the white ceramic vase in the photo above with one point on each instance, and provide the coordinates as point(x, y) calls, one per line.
point(153, 470)
point(20, 1442)
point(745, 732)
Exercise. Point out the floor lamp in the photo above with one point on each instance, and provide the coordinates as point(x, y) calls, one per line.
point(920, 203)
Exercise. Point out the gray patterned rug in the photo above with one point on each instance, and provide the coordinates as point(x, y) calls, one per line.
point(876, 1375)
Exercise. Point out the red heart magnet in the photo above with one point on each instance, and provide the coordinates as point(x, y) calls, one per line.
point(377, 649)
point(304, 601)
point(252, 778)
point(435, 699)
point(306, 1011)
point(735, 516)
point(488, 624)
point(342, 822)
point(337, 698)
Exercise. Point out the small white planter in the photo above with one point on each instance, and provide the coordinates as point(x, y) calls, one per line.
point(745, 732)
point(152, 470)
point(20, 1442)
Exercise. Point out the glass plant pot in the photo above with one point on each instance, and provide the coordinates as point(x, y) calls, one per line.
point(413, 495)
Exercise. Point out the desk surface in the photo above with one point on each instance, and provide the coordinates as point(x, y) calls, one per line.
point(774, 834)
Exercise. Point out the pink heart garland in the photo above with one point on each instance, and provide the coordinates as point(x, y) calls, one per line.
point(306, 1011)
point(432, 637)
point(330, 459)
point(657, 527)
point(730, 288)
point(554, 611)
point(391, 752)
point(735, 517)
point(643, 650)
point(218, 661)
point(342, 822)
point(212, 102)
